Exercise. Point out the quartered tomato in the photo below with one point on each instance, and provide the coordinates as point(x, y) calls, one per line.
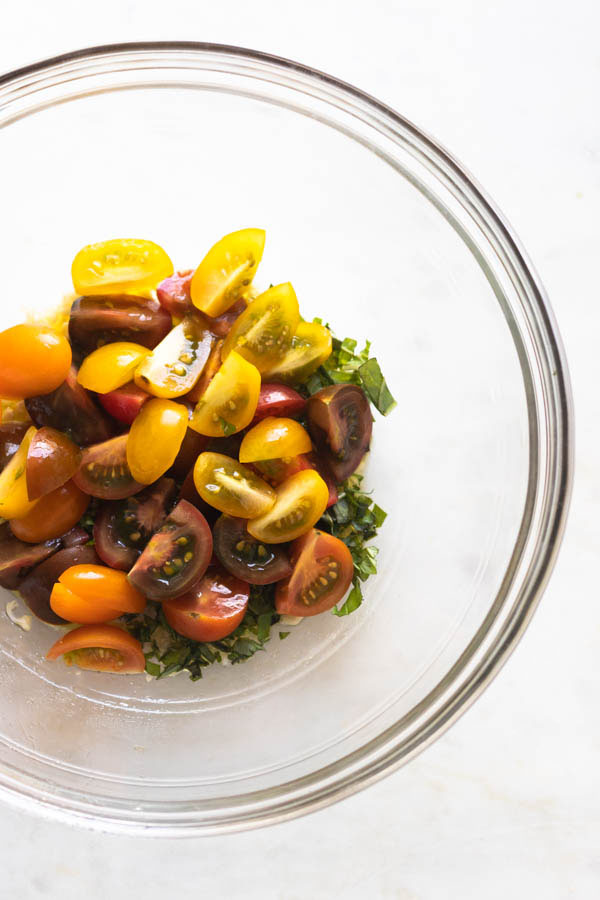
point(227, 270)
point(125, 403)
point(101, 648)
point(301, 501)
point(278, 400)
point(111, 366)
point(155, 439)
point(340, 422)
point(323, 572)
point(211, 610)
point(14, 499)
point(103, 585)
point(119, 266)
point(52, 460)
point(245, 557)
point(311, 346)
point(70, 409)
point(96, 321)
point(274, 438)
point(264, 331)
point(34, 360)
point(176, 556)
point(176, 364)
point(229, 402)
point(104, 472)
point(52, 516)
point(231, 487)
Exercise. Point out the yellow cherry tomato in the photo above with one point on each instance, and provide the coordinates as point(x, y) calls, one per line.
point(263, 332)
point(33, 360)
point(14, 499)
point(230, 400)
point(176, 364)
point(111, 366)
point(227, 270)
point(274, 438)
point(227, 485)
point(121, 266)
point(155, 438)
point(301, 501)
point(311, 346)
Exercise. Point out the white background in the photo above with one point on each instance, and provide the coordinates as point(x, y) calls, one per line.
point(506, 804)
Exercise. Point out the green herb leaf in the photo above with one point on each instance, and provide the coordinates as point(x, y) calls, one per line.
point(152, 668)
point(375, 387)
point(283, 635)
point(353, 601)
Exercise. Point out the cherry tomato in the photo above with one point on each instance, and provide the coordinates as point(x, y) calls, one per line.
point(221, 325)
point(119, 266)
point(264, 331)
point(213, 364)
point(33, 360)
point(211, 610)
point(80, 610)
point(245, 557)
point(311, 346)
point(96, 321)
point(105, 586)
point(231, 487)
point(104, 472)
point(102, 648)
point(301, 501)
point(278, 400)
point(111, 366)
point(176, 556)
point(340, 422)
point(125, 403)
point(276, 471)
point(16, 557)
point(274, 438)
point(70, 409)
point(188, 492)
point(174, 294)
point(36, 587)
point(155, 439)
point(52, 460)
point(323, 572)
point(11, 435)
point(227, 270)
point(176, 364)
point(229, 402)
point(52, 516)
point(192, 446)
point(14, 499)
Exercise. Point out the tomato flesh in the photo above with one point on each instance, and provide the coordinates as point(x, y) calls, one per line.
point(122, 653)
point(211, 610)
point(52, 516)
point(231, 487)
point(34, 360)
point(155, 439)
point(300, 502)
point(125, 403)
point(229, 402)
point(264, 331)
point(274, 438)
point(245, 557)
point(104, 472)
point(310, 347)
point(52, 460)
point(323, 572)
point(227, 270)
point(119, 266)
point(103, 585)
point(176, 364)
point(111, 366)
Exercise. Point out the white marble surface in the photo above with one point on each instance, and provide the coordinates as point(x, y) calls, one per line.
point(506, 803)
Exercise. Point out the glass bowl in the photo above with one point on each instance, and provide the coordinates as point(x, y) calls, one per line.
point(385, 235)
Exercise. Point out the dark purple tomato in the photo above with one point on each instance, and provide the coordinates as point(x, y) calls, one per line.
point(188, 492)
point(191, 448)
point(11, 435)
point(246, 557)
point(76, 537)
point(104, 472)
point(340, 424)
point(35, 589)
point(17, 557)
point(96, 321)
point(71, 409)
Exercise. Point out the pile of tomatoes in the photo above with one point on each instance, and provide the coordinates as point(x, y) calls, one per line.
point(169, 413)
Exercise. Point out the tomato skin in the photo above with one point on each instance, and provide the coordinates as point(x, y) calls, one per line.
point(278, 400)
point(221, 325)
point(119, 266)
point(211, 610)
point(107, 637)
point(97, 321)
point(105, 586)
point(80, 610)
point(70, 409)
point(52, 516)
point(340, 422)
point(36, 587)
point(213, 364)
point(310, 347)
point(231, 487)
point(175, 365)
point(264, 331)
point(11, 435)
point(174, 294)
point(155, 439)
point(124, 403)
point(300, 502)
point(111, 366)
point(52, 460)
point(323, 572)
point(104, 473)
point(14, 499)
point(227, 270)
point(274, 438)
point(229, 402)
point(33, 360)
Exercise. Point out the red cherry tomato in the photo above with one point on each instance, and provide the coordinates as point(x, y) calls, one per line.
point(125, 403)
point(323, 571)
point(174, 294)
point(211, 610)
point(278, 400)
point(101, 648)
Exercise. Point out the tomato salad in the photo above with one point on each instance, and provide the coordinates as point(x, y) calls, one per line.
point(178, 461)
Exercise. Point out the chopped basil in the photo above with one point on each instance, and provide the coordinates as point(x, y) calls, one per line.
point(283, 635)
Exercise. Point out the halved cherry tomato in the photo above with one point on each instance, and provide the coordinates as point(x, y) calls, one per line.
point(274, 438)
point(340, 422)
point(96, 321)
point(14, 499)
point(80, 610)
point(245, 557)
point(52, 460)
point(11, 435)
point(301, 501)
point(125, 403)
point(103, 585)
point(155, 439)
point(264, 331)
point(33, 360)
point(231, 487)
point(229, 402)
point(111, 366)
point(211, 610)
point(104, 472)
point(176, 364)
point(71, 409)
point(278, 400)
point(36, 587)
point(323, 572)
point(275, 471)
point(52, 516)
point(176, 556)
point(311, 346)
point(213, 364)
point(227, 270)
point(103, 648)
point(174, 294)
point(119, 266)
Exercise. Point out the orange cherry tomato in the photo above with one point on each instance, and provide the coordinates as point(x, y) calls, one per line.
point(119, 267)
point(103, 648)
point(33, 361)
point(301, 501)
point(155, 439)
point(52, 459)
point(14, 499)
point(211, 609)
point(111, 366)
point(227, 270)
point(229, 402)
point(274, 438)
point(323, 572)
point(80, 610)
point(101, 584)
point(52, 516)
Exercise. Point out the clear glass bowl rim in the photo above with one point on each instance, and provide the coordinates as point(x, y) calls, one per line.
point(391, 749)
